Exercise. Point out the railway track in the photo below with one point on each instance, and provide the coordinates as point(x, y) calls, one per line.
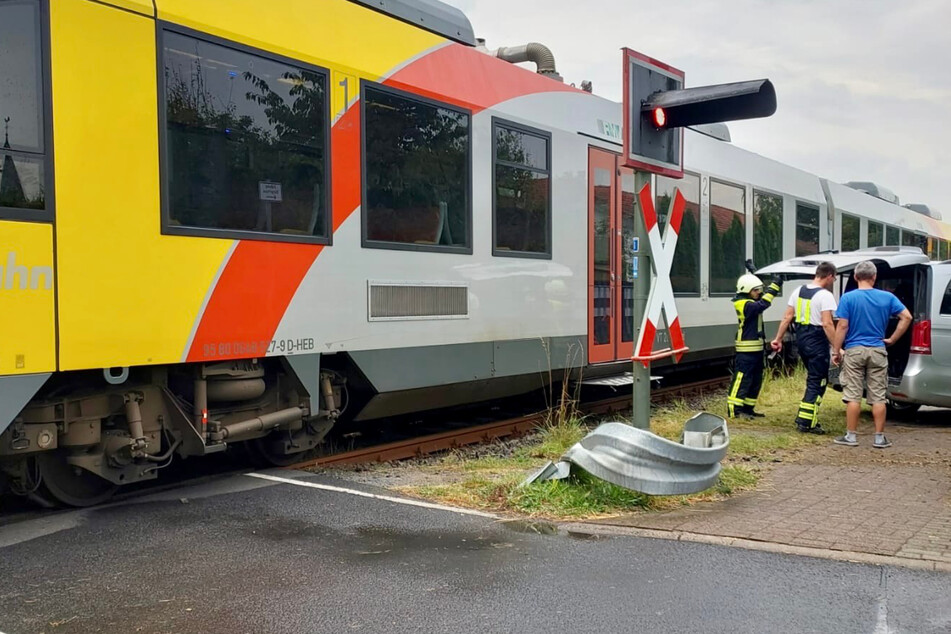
point(420, 446)
point(14, 509)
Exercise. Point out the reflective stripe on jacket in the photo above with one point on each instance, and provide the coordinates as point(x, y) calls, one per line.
point(804, 305)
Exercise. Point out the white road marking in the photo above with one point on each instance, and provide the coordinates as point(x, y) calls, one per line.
point(387, 498)
point(881, 625)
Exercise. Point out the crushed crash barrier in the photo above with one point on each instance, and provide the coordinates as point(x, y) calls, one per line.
point(642, 461)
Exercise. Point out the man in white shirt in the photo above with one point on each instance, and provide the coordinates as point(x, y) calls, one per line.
point(811, 308)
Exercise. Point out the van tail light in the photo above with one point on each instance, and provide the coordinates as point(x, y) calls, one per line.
point(921, 337)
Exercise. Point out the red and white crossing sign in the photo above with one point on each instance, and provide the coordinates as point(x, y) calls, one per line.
point(661, 297)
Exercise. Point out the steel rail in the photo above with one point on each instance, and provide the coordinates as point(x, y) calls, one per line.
point(432, 443)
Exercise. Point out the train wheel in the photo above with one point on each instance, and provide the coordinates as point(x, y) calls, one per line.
point(70, 485)
point(263, 453)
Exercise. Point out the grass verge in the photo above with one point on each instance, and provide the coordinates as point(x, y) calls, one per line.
point(491, 482)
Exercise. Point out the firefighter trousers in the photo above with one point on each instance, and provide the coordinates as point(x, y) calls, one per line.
point(747, 381)
point(814, 352)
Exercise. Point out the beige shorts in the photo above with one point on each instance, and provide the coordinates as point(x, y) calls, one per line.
point(865, 368)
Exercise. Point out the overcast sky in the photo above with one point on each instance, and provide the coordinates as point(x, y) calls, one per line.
point(863, 86)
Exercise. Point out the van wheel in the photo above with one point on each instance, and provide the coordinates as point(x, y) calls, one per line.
point(897, 409)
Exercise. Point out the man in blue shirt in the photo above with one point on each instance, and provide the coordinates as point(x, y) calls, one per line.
point(860, 348)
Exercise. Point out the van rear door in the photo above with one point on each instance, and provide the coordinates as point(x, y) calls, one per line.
point(884, 258)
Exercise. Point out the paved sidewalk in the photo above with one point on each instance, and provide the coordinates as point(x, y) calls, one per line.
point(895, 502)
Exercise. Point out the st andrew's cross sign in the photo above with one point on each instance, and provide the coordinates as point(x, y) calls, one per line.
point(661, 297)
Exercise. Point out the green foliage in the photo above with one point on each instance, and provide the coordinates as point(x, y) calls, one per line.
point(222, 143)
point(767, 229)
point(555, 439)
point(727, 254)
point(580, 496)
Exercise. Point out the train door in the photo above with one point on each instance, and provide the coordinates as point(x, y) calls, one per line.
point(611, 209)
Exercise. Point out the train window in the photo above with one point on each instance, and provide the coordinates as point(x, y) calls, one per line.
point(685, 269)
point(943, 250)
point(22, 99)
point(875, 235)
point(892, 236)
point(727, 236)
point(767, 228)
point(932, 248)
point(245, 144)
point(851, 228)
point(522, 186)
point(912, 239)
point(807, 230)
point(416, 173)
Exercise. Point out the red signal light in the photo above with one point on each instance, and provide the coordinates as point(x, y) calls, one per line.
point(660, 117)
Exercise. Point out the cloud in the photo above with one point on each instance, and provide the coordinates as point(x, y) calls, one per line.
point(864, 86)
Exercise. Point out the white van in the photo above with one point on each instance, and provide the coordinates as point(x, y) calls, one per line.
point(919, 364)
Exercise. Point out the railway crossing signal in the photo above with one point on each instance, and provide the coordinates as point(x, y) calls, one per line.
point(657, 108)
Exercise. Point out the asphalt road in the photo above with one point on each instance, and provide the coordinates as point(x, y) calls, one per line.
point(242, 554)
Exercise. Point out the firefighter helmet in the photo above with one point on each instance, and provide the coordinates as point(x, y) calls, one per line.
point(747, 283)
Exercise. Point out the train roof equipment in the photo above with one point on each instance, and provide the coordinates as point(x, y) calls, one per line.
point(924, 210)
point(876, 190)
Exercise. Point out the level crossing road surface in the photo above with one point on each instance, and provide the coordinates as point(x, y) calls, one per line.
point(244, 554)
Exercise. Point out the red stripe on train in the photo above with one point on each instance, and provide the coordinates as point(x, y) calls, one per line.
point(485, 82)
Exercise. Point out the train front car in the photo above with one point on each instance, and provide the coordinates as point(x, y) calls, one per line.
point(142, 331)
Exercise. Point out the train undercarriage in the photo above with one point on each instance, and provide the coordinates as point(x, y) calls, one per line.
point(88, 433)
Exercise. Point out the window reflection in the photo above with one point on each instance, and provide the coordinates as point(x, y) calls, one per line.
point(246, 147)
point(892, 236)
point(807, 230)
point(522, 192)
point(685, 269)
point(417, 171)
point(767, 228)
point(22, 143)
point(851, 228)
point(602, 256)
point(876, 234)
point(727, 236)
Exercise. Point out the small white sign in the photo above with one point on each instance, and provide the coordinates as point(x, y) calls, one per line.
point(270, 192)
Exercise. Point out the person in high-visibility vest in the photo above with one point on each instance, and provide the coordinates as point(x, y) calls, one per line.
point(750, 303)
point(810, 309)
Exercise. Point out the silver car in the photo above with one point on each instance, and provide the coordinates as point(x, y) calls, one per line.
point(919, 364)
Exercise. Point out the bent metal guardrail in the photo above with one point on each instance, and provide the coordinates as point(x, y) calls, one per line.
point(639, 460)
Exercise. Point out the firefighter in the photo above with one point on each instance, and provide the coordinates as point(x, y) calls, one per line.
point(810, 311)
point(750, 303)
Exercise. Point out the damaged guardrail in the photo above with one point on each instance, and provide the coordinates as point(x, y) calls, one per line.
point(642, 461)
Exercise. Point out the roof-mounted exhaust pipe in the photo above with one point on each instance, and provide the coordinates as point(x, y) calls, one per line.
point(539, 54)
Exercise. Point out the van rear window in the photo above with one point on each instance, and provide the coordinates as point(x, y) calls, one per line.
point(946, 301)
point(22, 138)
